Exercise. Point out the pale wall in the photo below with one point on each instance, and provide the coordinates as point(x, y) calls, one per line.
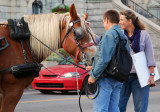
point(15, 9)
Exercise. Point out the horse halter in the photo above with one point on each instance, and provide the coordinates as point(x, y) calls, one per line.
point(78, 34)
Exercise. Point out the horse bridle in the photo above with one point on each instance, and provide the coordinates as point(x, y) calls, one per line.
point(78, 34)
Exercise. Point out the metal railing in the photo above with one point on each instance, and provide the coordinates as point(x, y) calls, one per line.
point(141, 10)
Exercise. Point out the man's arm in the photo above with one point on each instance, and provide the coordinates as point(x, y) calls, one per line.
point(105, 54)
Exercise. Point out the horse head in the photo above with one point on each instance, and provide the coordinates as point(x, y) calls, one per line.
point(77, 38)
point(68, 30)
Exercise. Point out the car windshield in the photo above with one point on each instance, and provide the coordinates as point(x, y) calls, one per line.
point(58, 59)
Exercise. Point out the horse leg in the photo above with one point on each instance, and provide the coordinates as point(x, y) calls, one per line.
point(10, 100)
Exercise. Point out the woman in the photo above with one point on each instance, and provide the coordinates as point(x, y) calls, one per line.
point(140, 40)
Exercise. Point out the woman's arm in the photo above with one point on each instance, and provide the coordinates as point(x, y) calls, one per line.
point(151, 78)
point(150, 58)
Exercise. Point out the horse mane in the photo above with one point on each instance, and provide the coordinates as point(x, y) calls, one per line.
point(46, 28)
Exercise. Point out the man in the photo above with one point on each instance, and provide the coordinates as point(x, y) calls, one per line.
point(108, 98)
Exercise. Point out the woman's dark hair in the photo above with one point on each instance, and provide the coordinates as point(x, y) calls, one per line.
point(135, 20)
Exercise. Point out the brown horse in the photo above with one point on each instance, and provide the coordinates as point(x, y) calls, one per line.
point(50, 29)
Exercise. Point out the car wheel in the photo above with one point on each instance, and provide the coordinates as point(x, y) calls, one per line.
point(45, 91)
point(85, 81)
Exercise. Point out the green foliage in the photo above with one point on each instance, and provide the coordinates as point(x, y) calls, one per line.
point(59, 10)
point(58, 59)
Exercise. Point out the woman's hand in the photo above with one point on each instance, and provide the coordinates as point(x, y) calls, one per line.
point(151, 81)
point(151, 78)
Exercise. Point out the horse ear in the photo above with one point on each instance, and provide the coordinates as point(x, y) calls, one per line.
point(86, 16)
point(73, 12)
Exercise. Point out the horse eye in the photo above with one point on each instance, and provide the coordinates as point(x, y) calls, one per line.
point(79, 33)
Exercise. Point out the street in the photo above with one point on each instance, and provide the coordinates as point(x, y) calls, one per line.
point(34, 101)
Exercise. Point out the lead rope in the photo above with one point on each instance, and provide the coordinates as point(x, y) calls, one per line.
point(77, 82)
point(88, 87)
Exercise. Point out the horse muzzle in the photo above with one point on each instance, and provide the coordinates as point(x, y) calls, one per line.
point(89, 56)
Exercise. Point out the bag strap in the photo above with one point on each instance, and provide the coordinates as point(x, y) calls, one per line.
point(120, 39)
point(118, 34)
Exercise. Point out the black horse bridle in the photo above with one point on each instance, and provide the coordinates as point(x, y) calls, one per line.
point(79, 34)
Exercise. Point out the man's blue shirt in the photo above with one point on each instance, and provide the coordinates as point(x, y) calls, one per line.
point(105, 51)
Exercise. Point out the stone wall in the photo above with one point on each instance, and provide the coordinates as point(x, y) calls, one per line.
point(96, 11)
point(14, 8)
point(17, 8)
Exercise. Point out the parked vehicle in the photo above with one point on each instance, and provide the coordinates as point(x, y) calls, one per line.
point(62, 77)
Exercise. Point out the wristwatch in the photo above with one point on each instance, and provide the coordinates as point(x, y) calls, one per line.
point(152, 74)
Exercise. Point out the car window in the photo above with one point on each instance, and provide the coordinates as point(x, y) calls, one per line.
point(58, 59)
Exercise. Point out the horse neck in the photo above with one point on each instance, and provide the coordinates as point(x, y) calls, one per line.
point(45, 30)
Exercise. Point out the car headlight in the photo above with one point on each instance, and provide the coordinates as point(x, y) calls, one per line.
point(70, 75)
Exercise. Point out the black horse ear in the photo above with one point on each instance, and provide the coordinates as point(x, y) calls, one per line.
point(73, 13)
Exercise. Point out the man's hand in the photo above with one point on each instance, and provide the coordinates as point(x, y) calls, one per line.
point(88, 68)
point(151, 81)
point(91, 80)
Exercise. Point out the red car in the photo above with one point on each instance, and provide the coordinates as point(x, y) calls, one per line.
point(60, 78)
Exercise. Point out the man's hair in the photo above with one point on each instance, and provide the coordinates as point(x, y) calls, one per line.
point(112, 16)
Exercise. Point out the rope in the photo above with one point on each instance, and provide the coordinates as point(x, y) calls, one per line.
point(87, 92)
point(77, 82)
point(57, 53)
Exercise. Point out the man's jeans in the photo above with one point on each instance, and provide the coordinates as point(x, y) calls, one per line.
point(140, 95)
point(108, 98)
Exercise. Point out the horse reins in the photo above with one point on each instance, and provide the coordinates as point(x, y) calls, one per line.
point(49, 48)
point(84, 57)
point(57, 53)
point(71, 25)
point(86, 87)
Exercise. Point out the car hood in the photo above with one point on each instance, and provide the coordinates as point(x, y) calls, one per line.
point(61, 69)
